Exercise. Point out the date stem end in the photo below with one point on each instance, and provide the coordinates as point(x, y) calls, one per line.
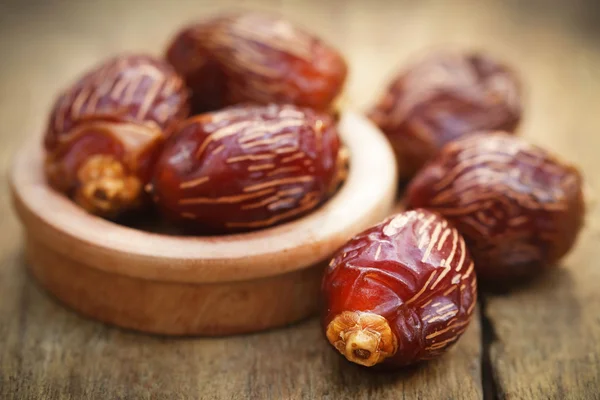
point(105, 188)
point(363, 338)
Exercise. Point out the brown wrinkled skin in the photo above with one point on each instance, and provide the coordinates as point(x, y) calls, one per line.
point(128, 88)
point(264, 59)
point(248, 167)
point(203, 74)
point(519, 207)
point(414, 270)
point(120, 110)
point(443, 97)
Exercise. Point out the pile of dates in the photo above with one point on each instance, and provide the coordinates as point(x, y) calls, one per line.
point(235, 130)
point(483, 204)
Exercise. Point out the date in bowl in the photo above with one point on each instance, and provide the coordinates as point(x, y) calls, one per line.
point(185, 285)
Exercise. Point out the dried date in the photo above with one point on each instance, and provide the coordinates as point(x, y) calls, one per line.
point(103, 165)
point(129, 88)
point(105, 130)
point(519, 207)
point(443, 97)
point(264, 59)
point(203, 74)
point(248, 167)
point(400, 292)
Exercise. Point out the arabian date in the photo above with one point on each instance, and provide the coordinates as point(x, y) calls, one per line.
point(129, 88)
point(248, 167)
point(260, 58)
point(400, 292)
point(443, 97)
point(106, 129)
point(519, 207)
point(104, 165)
point(203, 74)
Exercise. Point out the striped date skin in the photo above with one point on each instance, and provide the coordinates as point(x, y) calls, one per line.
point(129, 88)
point(400, 292)
point(105, 131)
point(265, 59)
point(248, 167)
point(519, 207)
point(443, 97)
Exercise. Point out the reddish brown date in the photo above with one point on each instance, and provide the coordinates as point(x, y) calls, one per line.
point(105, 130)
point(400, 292)
point(443, 97)
point(265, 59)
point(129, 88)
point(248, 167)
point(519, 207)
point(104, 165)
point(203, 74)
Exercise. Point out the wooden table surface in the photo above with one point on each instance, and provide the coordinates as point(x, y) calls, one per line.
point(542, 341)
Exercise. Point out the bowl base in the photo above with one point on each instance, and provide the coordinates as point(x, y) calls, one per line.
point(172, 308)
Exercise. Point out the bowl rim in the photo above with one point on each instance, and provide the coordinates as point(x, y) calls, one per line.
point(53, 220)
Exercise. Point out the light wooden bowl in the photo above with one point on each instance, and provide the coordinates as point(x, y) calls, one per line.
point(184, 285)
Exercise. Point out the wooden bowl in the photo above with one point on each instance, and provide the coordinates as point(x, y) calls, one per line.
point(180, 285)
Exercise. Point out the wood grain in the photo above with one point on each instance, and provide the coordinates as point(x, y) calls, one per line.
point(547, 333)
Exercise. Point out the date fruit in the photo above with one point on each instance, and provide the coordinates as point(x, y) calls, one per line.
point(443, 97)
point(129, 88)
point(400, 292)
point(103, 165)
point(264, 59)
point(519, 207)
point(248, 167)
point(203, 74)
point(105, 130)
